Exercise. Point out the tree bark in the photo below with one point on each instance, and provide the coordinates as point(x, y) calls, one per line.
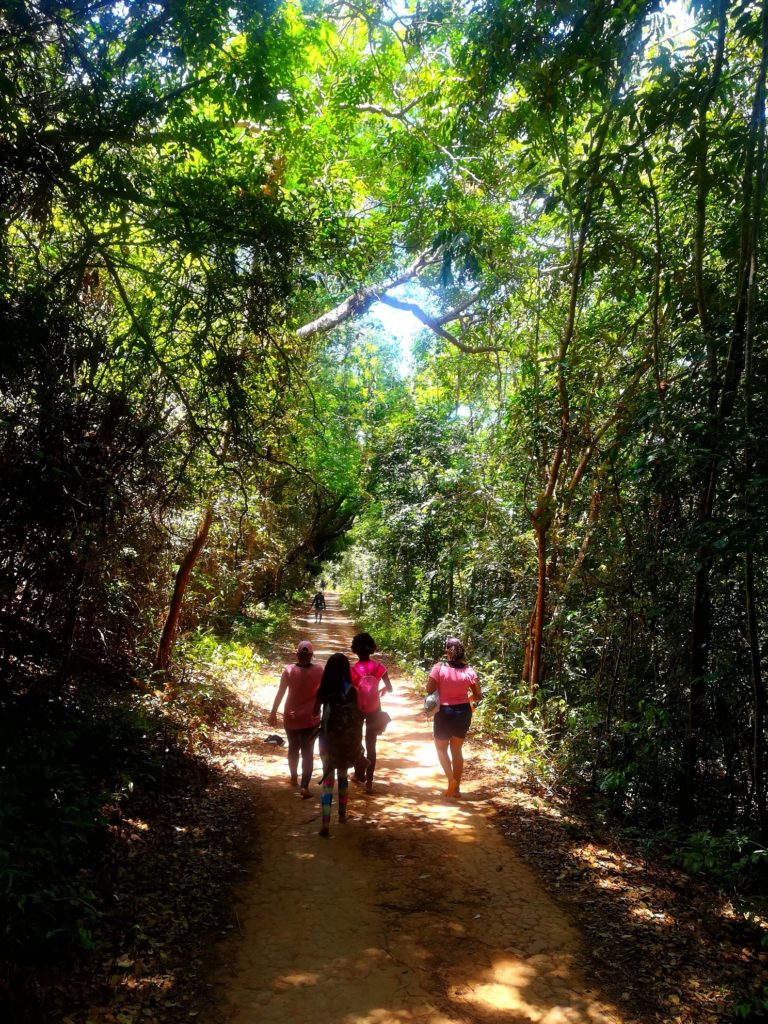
point(238, 593)
point(753, 631)
point(758, 697)
point(542, 517)
point(170, 629)
point(723, 397)
point(537, 624)
point(361, 301)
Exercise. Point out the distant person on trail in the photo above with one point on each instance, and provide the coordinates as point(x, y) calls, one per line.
point(341, 734)
point(301, 720)
point(371, 680)
point(318, 603)
point(455, 681)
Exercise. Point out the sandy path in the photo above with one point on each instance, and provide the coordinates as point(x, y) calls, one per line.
point(416, 910)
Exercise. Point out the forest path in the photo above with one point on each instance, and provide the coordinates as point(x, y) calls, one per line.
point(416, 910)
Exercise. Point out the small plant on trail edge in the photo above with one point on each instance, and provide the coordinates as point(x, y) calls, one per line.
point(732, 860)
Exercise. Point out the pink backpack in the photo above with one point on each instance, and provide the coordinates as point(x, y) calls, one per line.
point(367, 686)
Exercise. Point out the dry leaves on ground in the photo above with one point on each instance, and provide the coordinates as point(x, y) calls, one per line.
point(667, 946)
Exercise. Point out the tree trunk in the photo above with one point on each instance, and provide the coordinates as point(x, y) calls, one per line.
point(701, 631)
point(168, 638)
point(537, 624)
point(725, 394)
point(236, 600)
point(759, 698)
point(543, 515)
point(753, 631)
point(70, 624)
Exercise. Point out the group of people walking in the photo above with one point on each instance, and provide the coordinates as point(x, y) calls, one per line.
point(341, 703)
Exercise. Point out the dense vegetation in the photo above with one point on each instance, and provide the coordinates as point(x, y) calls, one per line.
point(201, 202)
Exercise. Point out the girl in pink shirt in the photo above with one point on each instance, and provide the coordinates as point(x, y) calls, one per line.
point(370, 679)
point(455, 681)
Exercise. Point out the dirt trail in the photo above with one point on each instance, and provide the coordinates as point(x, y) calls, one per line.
point(416, 910)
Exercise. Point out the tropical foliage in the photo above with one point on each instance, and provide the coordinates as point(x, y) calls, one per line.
point(202, 202)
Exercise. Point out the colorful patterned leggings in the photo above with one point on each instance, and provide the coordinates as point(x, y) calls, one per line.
point(326, 795)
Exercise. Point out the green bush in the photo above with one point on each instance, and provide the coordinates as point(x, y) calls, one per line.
point(732, 860)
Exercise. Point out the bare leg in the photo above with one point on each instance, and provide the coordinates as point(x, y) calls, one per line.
point(294, 749)
point(307, 760)
point(370, 753)
point(445, 763)
point(458, 759)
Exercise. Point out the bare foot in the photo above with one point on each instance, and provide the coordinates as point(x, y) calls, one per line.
point(304, 793)
point(324, 833)
point(369, 787)
point(453, 788)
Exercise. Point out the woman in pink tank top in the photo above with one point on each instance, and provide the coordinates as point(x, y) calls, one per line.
point(455, 681)
point(301, 721)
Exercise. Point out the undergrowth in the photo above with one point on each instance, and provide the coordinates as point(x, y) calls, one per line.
point(76, 754)
point(73, 756)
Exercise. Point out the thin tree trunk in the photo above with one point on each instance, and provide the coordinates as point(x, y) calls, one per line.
point(702, 192)
point(758, 696)
point(170, 629)
point(537, 629)
point(543, 515)
point(753, 631)
point(701, 624)
point(70, 624)
point(238, 593)
point(727, 391)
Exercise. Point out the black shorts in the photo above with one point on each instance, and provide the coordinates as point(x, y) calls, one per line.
point(452, 721)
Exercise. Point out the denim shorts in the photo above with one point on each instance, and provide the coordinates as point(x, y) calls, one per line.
point(452, 721)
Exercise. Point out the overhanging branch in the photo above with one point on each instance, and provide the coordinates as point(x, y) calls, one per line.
point(436, 324)
point(361, 301)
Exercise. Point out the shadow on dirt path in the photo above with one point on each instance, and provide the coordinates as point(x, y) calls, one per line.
point(416, 910)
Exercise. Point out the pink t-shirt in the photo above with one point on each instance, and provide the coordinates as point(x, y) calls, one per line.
point(368, 697)
point(453, 684)
point(303, 684)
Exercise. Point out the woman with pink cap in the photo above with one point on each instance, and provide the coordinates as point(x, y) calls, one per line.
point(300, 720)
point(455, 681)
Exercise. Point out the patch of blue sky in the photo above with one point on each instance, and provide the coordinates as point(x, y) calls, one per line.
point(400, 325)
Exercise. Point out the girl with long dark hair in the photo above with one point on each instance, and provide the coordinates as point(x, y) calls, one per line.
point(341, 735)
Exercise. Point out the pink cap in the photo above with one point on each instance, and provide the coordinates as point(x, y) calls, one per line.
point(305, 645)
